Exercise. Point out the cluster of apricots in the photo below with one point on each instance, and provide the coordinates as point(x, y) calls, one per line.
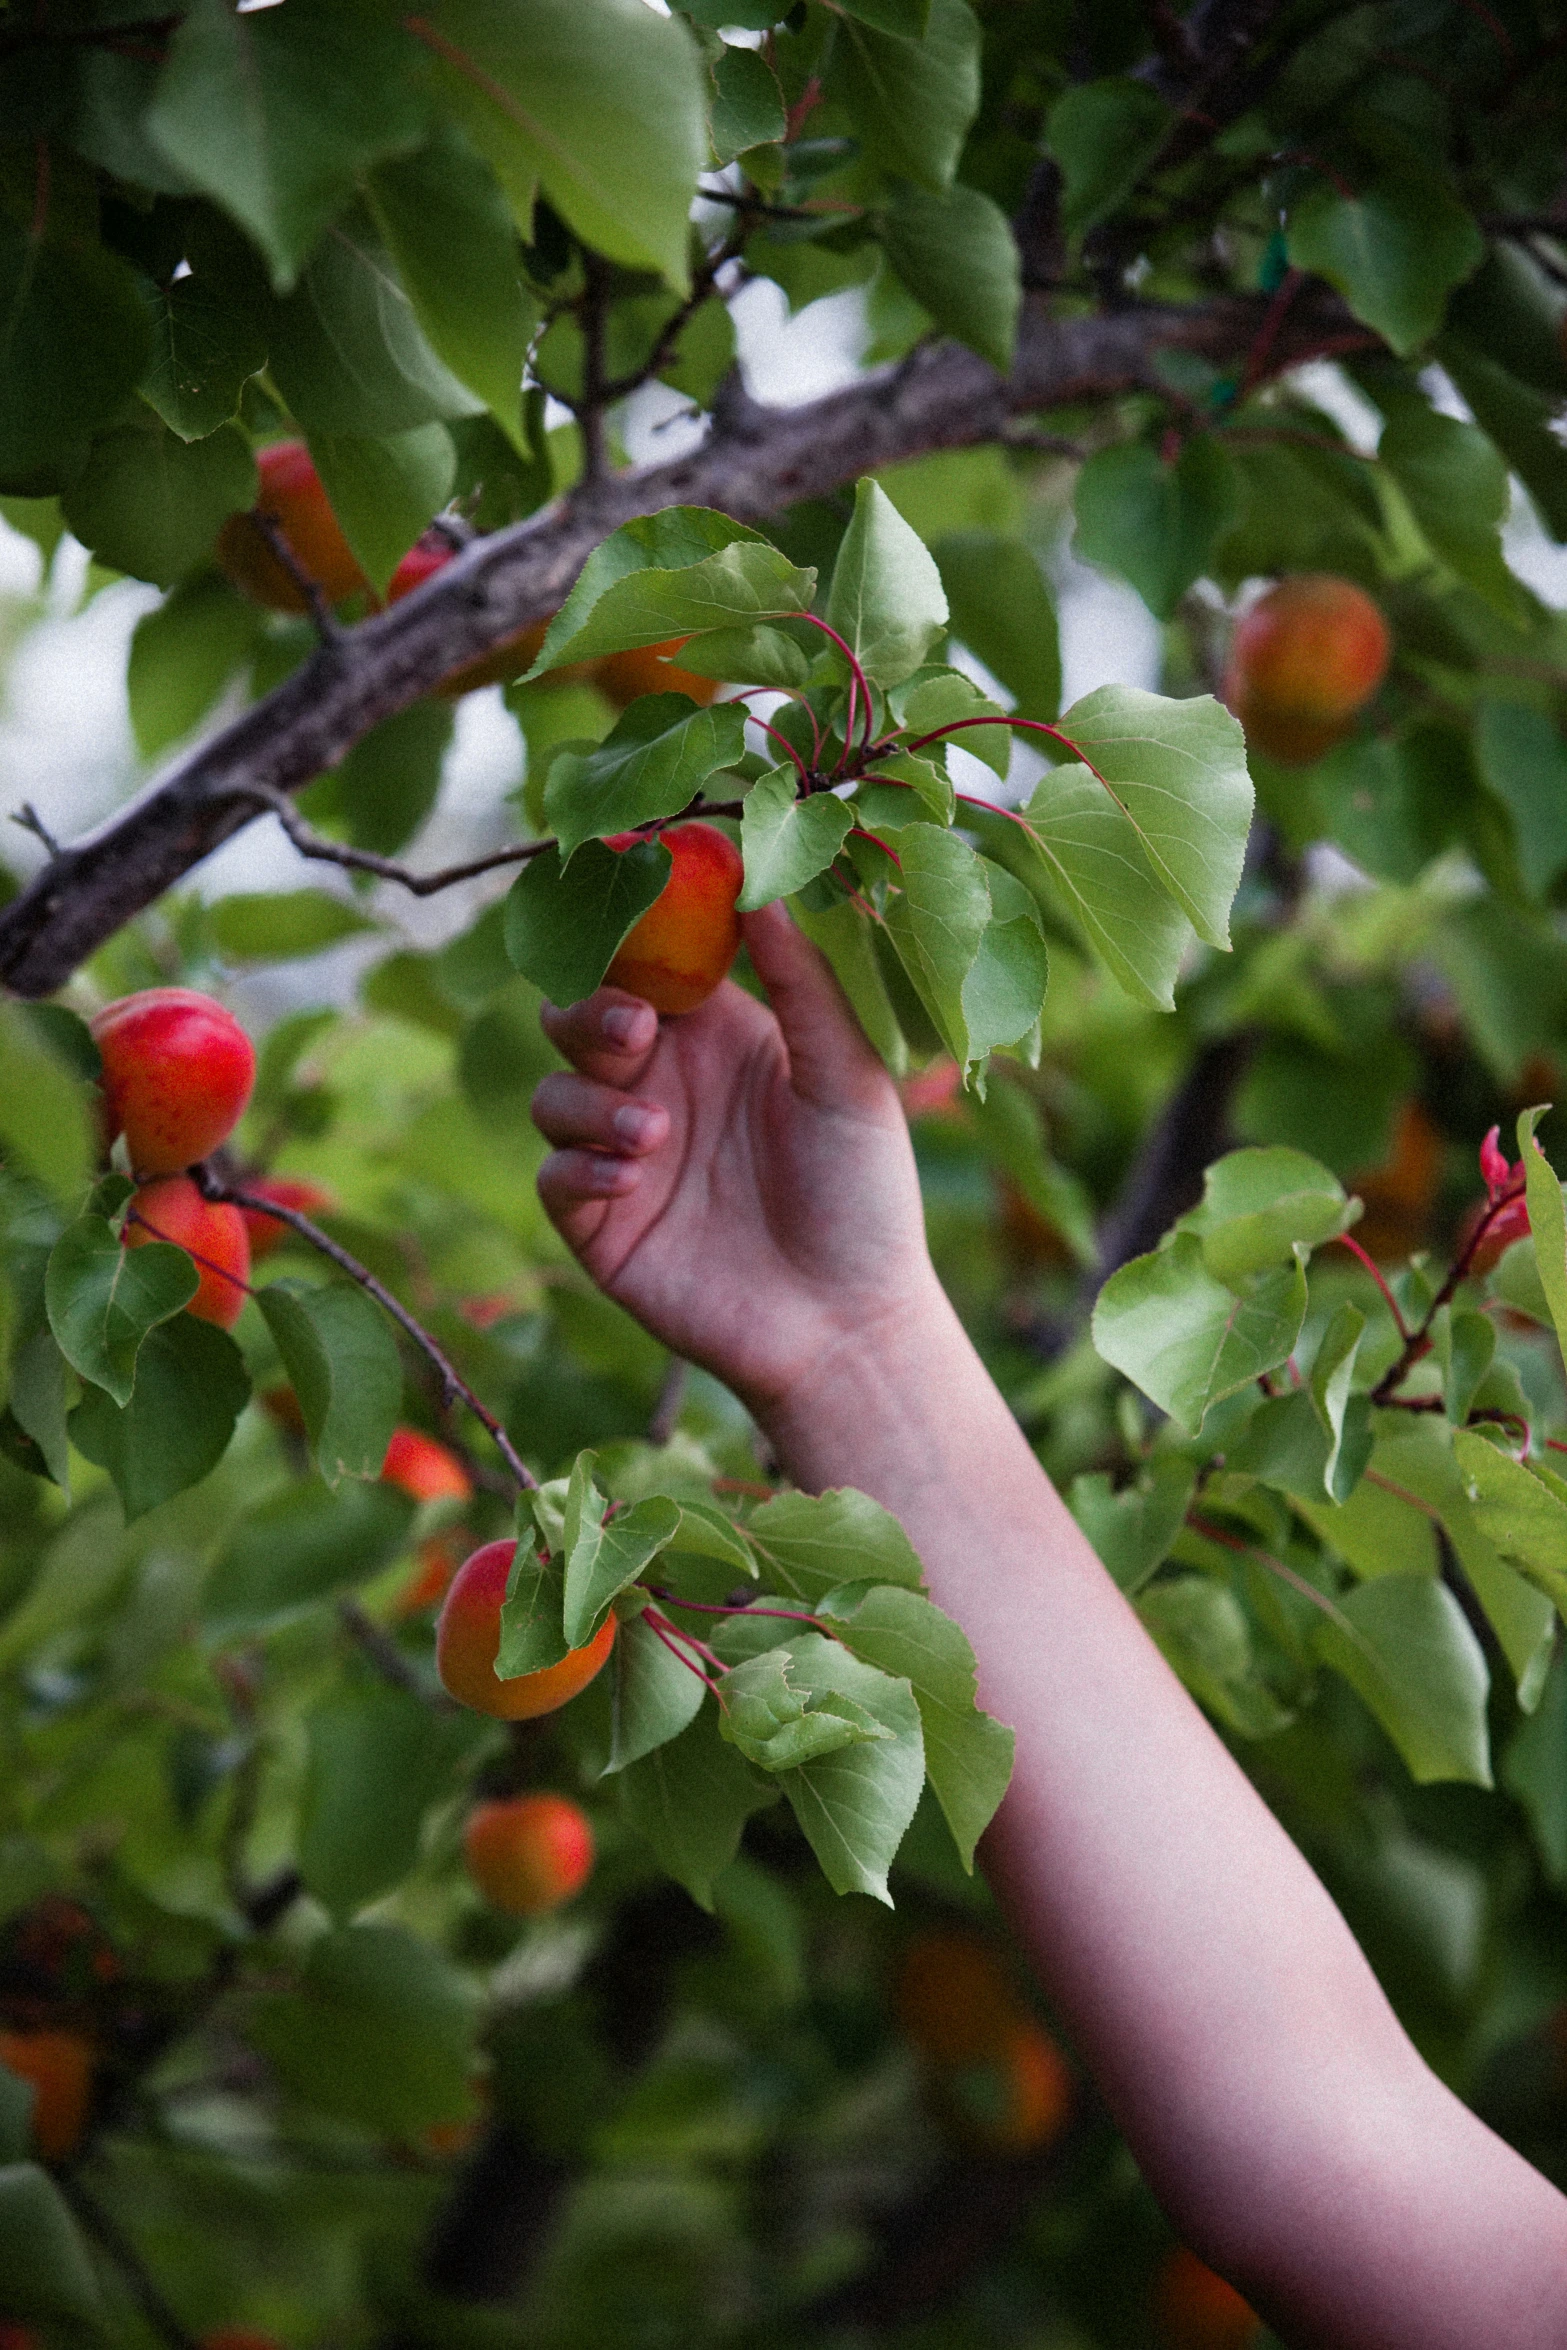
point(1304, 662)
point(997, 2078)
point(292, 510)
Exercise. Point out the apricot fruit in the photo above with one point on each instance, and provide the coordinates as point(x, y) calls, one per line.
point(292, 498)
point(60, 2066)
point(468, 1639)
point(503, 662)
point(213, 1233)
point(177, 1073)
point(439, 1558)
point(265, 1233)
point(419, 1465)
point(954, 2000)
point(1195, 2309)
point(1303, 661)
point(529, 1854)
point(1019, 2098)
point(685, 942)
point(622, 677)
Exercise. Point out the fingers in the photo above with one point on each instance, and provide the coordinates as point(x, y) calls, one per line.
point(577, 1113)
point(608, 1036)
point(577, 1188)
point(830, 1061)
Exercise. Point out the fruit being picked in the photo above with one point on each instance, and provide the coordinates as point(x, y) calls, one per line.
point(1303, 661)
point(177, 1073)
point(468, 1639)
point(685, 942)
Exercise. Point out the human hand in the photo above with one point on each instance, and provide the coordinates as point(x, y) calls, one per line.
point(739, 1178)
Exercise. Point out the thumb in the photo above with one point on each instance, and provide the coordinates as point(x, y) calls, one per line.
point(831, 1062)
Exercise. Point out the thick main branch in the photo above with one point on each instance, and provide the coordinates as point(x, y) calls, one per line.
point(754, 462)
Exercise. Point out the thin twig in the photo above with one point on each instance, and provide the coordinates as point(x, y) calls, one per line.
point(376, 1644)
point(323, 617)
point(421, 885)
point(452, 1382)
point(27, 819)
point(138, 2280)
point(1417, 1342)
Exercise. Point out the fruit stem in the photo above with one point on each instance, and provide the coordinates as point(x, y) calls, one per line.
point(857, 679)
point(677, 1644)
point(708, 1607)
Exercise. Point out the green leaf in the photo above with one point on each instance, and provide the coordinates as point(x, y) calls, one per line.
point(968, 1756)
point(150, 504)
point(653, 1696)
point(1456, 486)
point(381, 793)
point(844, 935)
point(1523, 760)
point(602, 1560)
point(911, 99)
point(300, 1547)
point(533, 1612)
point(275, 113)
point(813, 1543)
point(1004, 987)
point(1345, 1415)
point(103, 1299)
point(1547, 1221)
point(600, 102)
point(182, 656)
point(384, 491)
point(446, 224)
point(896, 788)
point(74, 332)
point(937, 922)
point(748, 106)
point(1202, 1632)
point(787, 841)
point(380, 2031)
point(886, 597)
point(376, 1759)
point(1185, 1339)
point(1406, 1649)
point(728, 576)
point(1518, 1512)
point(1534, 1771)
point(48, 2271)
point(1104, 135)
point(957, 256)
point(1133, 1529)
point(779, 1727)
point(1178, 770)
point(653, 762)
point(191, 1386)
point(1465, 1345)
point(205, 348)
point(46, 1122)
point(855, 1803)
point(938, 697)
point(1083, 845)
point(347, 349)
point(688, 1801)
point(17, 2098)
point(1157, 524)
point(1257, 1204)
point(38, 1401)
point(342, 1363)
point(564, 927)
point(1000, 608)
point(279, 926)
point(1520, 418)
point(1395, 249)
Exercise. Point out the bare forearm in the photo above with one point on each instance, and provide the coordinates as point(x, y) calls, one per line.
point(1226, 2011)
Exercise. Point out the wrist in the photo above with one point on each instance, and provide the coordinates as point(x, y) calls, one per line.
point(869, 1388)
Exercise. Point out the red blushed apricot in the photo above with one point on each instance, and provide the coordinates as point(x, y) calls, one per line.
point(60, 2066)
point(428, 1470)
point(529, 1855)
point(177, 1073)
point(293, 499)
point(621, 677)
point(498, 666)
point(214, 1233)
point(468, 1638)
point(265, 1233)
point(685, 942)
point(1303, 660)
point(1196, 2310)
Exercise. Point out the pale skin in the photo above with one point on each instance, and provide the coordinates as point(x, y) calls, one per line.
point(741, 1180)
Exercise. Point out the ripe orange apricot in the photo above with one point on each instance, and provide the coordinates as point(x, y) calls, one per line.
point(291, 497)
point(1303, 660)
point(1196, 2310)
point(954, 2000)
point(468, 1638)
point(177, 1073)
point(214, 1233)
point(439, 1558)
point(621, 677)
point(265, 1233)
point(530, 1854)
point(419, 1465)
point(60, 2066)
point(498, 666)
point(685, 942)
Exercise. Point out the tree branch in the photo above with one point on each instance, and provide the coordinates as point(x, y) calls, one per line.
point(754, 462)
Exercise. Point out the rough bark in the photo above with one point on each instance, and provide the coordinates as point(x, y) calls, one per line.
point(754, 462)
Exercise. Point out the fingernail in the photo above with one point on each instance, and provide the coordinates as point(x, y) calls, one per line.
point(613, 1174)
point(635, 1125)
point(622, 1023)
